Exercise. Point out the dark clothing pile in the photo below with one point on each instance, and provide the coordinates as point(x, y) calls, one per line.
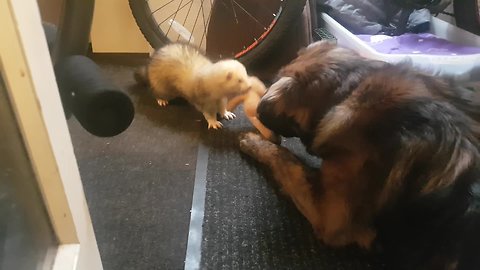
point(387, 17)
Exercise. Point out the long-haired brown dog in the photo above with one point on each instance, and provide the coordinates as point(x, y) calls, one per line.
point(400, 157)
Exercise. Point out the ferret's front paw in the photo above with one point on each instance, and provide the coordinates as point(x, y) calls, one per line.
point(162, 102)
point(229, 115)
point(214, 124)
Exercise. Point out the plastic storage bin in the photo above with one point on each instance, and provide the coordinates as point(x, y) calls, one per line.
point(459, 67)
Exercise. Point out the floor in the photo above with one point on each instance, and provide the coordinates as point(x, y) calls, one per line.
point(139, 187)
point(139, 184)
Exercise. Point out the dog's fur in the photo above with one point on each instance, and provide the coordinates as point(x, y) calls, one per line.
point(400, 157)
point(180, 70)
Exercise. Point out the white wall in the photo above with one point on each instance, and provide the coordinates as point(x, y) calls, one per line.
point(114, 29)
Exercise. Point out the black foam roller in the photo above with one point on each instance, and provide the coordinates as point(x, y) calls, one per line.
point(99, 106)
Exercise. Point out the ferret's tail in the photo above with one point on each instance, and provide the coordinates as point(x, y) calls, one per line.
point(141, 76)
point(258, 86)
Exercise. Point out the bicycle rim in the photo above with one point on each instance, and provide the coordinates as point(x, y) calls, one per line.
point(222, 28)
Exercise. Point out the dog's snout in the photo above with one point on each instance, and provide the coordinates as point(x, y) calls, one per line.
point(278, 123)
point(264, 111)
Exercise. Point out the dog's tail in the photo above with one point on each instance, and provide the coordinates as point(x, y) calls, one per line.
point(141, 76)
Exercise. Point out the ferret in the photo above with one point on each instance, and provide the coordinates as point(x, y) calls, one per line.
point(250, 100)
point(180, 70)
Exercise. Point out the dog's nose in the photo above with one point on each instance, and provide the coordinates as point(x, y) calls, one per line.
point(264, 106)
point(264, 112)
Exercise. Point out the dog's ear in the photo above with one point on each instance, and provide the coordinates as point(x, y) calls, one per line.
point(284, 91)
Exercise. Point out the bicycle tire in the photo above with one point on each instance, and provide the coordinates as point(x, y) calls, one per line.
point(290, 12)
point(467, 15)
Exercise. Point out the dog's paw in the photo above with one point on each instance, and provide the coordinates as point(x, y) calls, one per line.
point(214, 124)
point(250, 143)
point(228, 115)
point(250, 137)
point(162, 102)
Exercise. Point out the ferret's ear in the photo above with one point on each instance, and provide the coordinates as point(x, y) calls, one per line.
point(229, 76)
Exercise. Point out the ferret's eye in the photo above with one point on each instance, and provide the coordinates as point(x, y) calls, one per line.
point(240, 80)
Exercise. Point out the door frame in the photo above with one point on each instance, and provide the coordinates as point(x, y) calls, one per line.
point(31, 87)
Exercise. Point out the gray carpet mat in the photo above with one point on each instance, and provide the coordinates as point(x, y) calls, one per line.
point(139, 189)
point(248, 224)
point(139, 184)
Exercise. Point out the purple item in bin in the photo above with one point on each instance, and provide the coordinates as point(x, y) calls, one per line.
point(424, 43)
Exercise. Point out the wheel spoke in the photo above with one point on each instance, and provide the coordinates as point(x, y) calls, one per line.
point(250, 15)
point(182, 7)
point(174, 16)
point(161, 7)
point(185, 20)
point(234, 12)
point(207, 24)
point(203, 16)
point(204, 25)
point(195, 23)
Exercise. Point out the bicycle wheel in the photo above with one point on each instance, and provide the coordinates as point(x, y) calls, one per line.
point(241, 29)
point(467, 15)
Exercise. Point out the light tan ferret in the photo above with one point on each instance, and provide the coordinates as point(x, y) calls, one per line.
point(180, 70)
point(250, 101)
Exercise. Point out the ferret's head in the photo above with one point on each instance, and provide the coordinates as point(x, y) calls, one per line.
point(232, 77)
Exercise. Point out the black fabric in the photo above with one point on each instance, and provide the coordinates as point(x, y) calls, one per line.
point(373, 17)
point(249, 224)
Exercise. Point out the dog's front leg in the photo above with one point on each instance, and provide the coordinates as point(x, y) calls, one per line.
point(324, 204)
point(288, 171)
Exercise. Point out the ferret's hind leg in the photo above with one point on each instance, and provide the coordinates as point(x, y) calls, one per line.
point(162, 93)
point(222, 109)
point(162, 102)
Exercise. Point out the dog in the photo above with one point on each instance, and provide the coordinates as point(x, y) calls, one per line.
point(400, 158)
